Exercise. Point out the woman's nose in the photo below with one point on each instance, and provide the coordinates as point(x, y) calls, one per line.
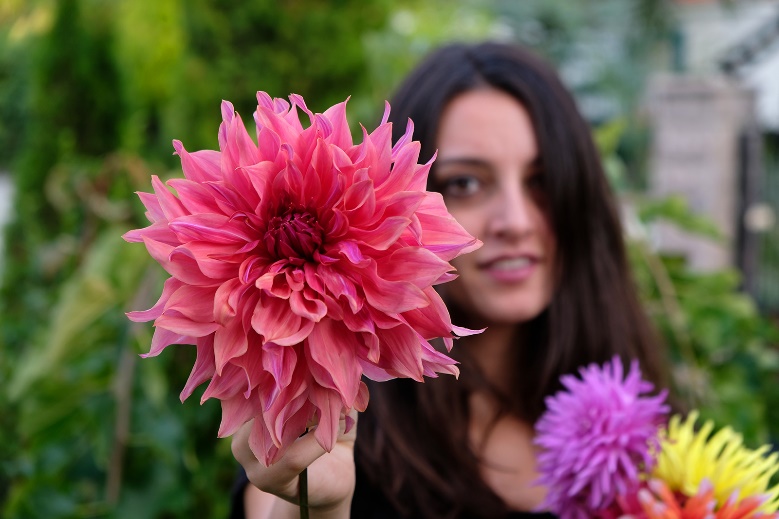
point(512, 213)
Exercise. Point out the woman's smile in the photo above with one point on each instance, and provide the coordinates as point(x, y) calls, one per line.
point(510, 268)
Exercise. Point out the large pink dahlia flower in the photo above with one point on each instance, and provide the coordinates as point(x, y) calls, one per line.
point(300, 262)
point(597, 437)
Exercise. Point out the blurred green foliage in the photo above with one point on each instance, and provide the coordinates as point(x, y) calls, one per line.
point(724, 353)
point(91, 94)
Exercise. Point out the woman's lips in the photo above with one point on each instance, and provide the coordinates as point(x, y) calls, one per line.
point(510, 269)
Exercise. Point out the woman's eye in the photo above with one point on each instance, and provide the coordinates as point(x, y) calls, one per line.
point(460, 186)
point(536, 187)
point(535, 182)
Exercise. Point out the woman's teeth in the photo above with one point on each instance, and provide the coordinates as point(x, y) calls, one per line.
point(510, 264)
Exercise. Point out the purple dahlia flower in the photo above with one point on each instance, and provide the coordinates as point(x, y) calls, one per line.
point(597, 436)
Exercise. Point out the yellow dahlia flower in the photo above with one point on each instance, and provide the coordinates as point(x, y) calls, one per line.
point(687, 457)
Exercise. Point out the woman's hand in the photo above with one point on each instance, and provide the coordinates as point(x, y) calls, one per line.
point(274, 493)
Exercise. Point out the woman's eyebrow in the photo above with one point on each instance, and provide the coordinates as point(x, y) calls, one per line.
point(462, 161)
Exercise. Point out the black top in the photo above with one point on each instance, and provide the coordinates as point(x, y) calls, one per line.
point(368, 503)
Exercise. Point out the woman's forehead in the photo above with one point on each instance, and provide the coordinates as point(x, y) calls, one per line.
point(485, 123)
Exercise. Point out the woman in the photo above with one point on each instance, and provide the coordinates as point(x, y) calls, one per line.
point(518, 169)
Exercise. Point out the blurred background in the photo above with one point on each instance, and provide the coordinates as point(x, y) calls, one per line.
point(683, 97)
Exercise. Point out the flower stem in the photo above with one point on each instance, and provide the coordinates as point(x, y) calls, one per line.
point(303, 492)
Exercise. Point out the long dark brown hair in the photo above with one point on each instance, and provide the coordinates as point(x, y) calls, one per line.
point(413, 439)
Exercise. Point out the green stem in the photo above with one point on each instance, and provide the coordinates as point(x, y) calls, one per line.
point(303, 491)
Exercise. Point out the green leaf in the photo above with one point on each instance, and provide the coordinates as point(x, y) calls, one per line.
point(676, 210)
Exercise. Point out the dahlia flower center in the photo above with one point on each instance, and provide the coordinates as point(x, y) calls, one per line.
point(294, 235)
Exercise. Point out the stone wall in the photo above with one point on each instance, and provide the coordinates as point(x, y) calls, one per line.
point(697, 127)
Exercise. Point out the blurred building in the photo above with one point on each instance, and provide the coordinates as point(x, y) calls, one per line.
point(715, 118)
point(739, 39)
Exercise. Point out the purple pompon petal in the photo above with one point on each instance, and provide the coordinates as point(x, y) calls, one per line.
point(596, 438)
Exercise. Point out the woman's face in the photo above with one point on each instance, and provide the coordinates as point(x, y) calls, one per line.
point(488, 171)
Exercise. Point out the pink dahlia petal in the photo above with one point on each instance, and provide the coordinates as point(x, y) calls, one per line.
point(419, 180)
point(236, 411)
point(204, 366)
point(360, 201)
point(361, 402)
point(171, 285)
point(230, 342)
point(341, 136)
point(153, 209)
point(370, 348)
point(404, 204)
point(341, 286)
point(241, 181)
point(170, 205)
point(276, 323)
point(332, 347)
point(261, 442)
point(163, 338)
point(319, 167)
point(268, 143)
point(435, 362)
point(238, 148)
point(402, 353)
point(441, 233)
point(279, 361)
point(159, 232)
point(308, 308)
point(403, 171)
point(405, 139)
point(281, 406)
point(299, 263)
point(213, 228)
point(387, 233)
point(227, 199)
point(416, 264)
point(373, 372)
point(290, 427)
point(329, 404)
point(193, 302)
point(393, 297)
point(231, 382)
point(200, 166)
point(182, 325)
point(268, 119)
point(260, 175)
point(381, 138)
point(351, 251)
point(227, 301)
point(428, 322)
point(274, 283)
point(359, 322)
point(177, 262)
point(252, 365)
point(195, 197)
point(215, 261)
